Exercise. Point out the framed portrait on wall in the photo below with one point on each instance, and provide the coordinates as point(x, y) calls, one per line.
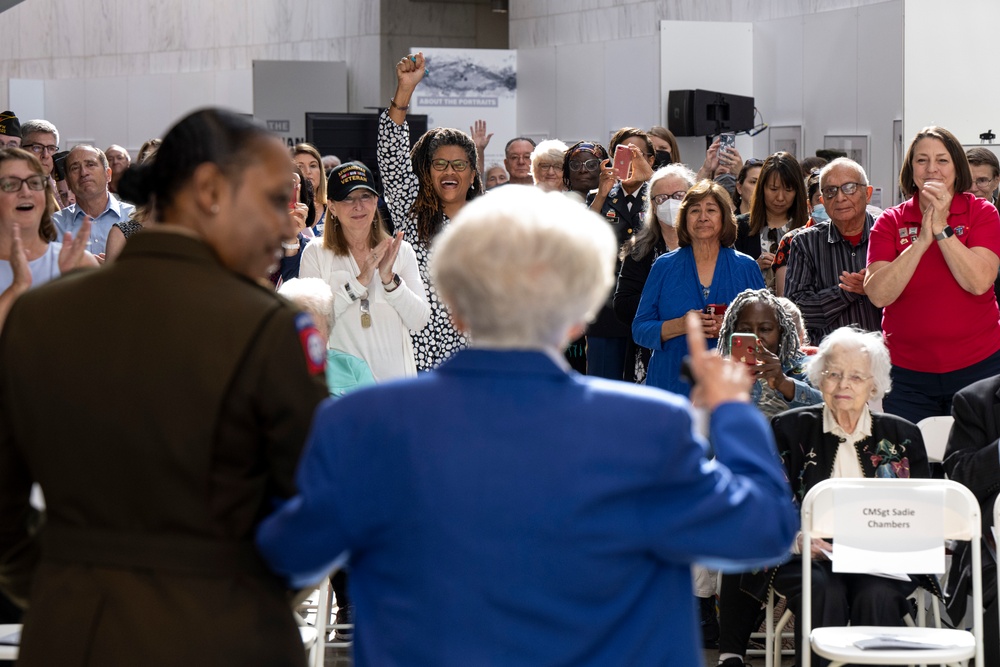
point(786, 138)
point(853, 146)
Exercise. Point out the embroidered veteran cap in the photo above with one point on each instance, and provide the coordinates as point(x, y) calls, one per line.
point(349, 177)
point(10, 126)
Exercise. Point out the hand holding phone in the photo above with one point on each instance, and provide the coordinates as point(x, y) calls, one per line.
point(727, 141)
point(743, 348)
point(623, 161)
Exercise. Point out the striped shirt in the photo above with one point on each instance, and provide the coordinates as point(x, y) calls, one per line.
point(816, 259)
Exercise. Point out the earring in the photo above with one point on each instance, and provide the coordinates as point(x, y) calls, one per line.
point(214, 209)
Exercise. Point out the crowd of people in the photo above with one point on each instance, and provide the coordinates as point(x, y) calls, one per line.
point(230, 285)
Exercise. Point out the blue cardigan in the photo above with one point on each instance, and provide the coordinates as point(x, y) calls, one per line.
point(673, 289)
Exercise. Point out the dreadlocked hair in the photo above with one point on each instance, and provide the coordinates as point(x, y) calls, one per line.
point(426, 207)
point(788, 344)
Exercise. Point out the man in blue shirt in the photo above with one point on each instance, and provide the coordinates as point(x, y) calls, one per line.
point(89, 177)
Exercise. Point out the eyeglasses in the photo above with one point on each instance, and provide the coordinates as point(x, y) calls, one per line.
point(679, 196)
point(457, 165)
point(365, 198)
point(836, 377)
point(549, 167)
point(848, 189)
point(13, 183)
point(754, 162)
point(592, 164)
point(983, 182)
point(38, 149)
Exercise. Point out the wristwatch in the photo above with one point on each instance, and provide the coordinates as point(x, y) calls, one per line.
point(392, 284)
point(945, 233)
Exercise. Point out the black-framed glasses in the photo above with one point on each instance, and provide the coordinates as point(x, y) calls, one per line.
point(457, 165)
point(679, 196)
point(13, 183)
point(983, 182)
point(38, 149)
point(830, 191)
point(593, 164)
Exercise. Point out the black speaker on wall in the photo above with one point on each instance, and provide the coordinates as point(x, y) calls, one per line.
point(701, 113)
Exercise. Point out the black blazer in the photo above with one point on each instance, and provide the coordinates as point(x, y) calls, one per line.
point(745, 243)
point(972, 459)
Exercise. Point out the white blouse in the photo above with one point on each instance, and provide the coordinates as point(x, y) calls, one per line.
point(385, 345)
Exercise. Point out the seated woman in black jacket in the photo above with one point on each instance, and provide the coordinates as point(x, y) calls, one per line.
point(840, 438)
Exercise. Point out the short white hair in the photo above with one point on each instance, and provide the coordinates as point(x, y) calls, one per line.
point(849, 338)
point(313, 296)
point(522, 266)
point(550, 148)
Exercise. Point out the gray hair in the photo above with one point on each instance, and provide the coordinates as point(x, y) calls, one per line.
point(521, 267)
point(100, 154)
point(550, 148)
point(841, 162)
point(313, 296)
point(850, 338)
point(39, 125)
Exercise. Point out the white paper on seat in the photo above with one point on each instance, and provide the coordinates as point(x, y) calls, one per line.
point(882, 532)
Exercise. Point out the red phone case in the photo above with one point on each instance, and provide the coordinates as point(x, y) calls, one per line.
point(743, 347)
point(623, 161)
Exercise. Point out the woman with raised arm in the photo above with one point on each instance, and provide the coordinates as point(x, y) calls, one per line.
point(425, 188)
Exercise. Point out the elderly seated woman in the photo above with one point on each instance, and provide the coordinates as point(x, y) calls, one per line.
point(843, 438)
point(547, 165)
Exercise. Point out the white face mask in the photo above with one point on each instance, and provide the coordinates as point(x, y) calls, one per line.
point(667, 212)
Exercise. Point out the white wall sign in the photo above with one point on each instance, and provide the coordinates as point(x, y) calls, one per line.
point(888, 532)
point(465, 85)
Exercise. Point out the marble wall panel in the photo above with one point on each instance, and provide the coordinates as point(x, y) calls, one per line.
point(37, 28)
point(68, 37)
point(151, 25)
point(361, 17)
point(232, 25)
point(107, 122)
point(149, 108)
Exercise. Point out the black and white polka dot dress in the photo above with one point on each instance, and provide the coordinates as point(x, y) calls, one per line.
point(439, 339)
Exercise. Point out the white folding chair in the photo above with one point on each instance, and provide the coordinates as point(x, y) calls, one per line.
point(775, 633)
point(961, 521)
point(935, 432)
point(324, 609)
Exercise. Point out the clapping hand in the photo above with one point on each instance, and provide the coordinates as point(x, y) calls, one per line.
point(74, 249)
point(389, 257)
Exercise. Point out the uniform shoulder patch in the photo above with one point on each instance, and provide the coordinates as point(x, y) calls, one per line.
point(313, 345)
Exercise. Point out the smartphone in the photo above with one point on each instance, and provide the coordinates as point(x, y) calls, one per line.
point(743, 347)
point(623, 161)
point(715, 309)
point(727, 141)
point(295, 197)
